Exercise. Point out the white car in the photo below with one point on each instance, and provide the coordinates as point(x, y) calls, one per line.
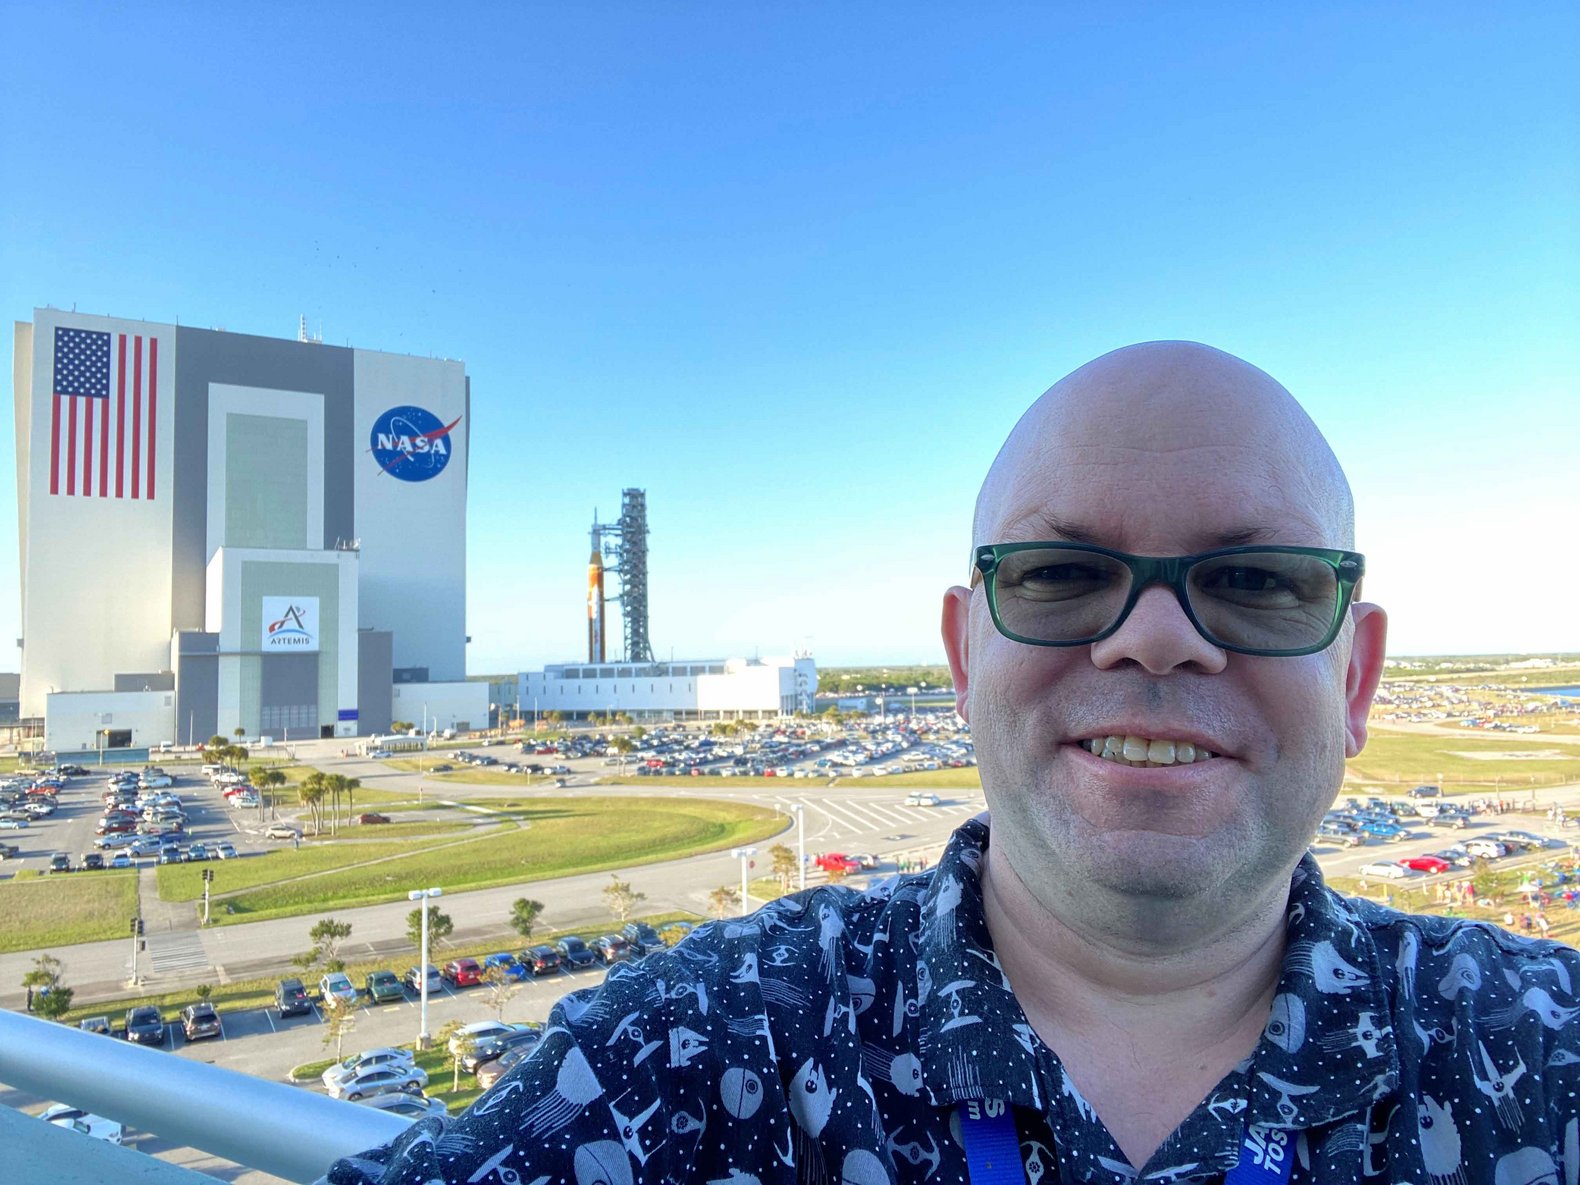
point(1387, 869)
point(283, 831)
point(1491, 849)
point(337, 988)
point(922, 800)
point(155, 781)
point(78, 1120)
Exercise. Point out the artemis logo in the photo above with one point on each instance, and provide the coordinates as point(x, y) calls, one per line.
point(291, 629)
point(411, 443)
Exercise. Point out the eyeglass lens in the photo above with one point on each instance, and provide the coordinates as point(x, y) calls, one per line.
point(1260, 600)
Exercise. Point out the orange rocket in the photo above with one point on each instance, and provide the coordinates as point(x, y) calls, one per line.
point(595, 607)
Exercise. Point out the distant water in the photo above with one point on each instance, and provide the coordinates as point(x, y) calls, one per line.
point(1568, 692)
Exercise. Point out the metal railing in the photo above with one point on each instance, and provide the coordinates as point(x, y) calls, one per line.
point(283, 1130)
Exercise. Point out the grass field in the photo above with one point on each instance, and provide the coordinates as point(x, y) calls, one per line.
point(562, 836)
point(184, 882)
point(1411, 758)
point(63, 910)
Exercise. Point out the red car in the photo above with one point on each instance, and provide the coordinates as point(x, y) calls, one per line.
point(1432, 864)
point(462, 973)
point(838, 862)
point(373, 818)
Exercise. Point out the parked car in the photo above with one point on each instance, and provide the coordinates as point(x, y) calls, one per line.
point(225, 851)
point(59, 862)
point(1387, 869)
point(384, 1057)
point(290, 998)
point(543, 960)
point(642, 938)
point(378, 1080)
point(574, 953)
point(200, 1020)
point(96, 1024)
point(408, 1106)
point(414, 977)
point(922, 799)
point(479, 1031)
point(372, 817)
point(195, 853)
point(1429, 864)
point(283, 831)
point(462, 973)
point(119, 860)
point(1425, 792)
point(491, 1072)
point(611, 949)
point(1490, 849)
point(381, 985)
point(144, 1025)
point(88, 1124)
point(507, 965)
point(493, 1047)
point(337, 988)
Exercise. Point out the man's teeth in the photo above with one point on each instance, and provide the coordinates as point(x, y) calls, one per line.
point(1145, 751)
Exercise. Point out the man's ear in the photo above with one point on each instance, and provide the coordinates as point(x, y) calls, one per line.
point(1368, 646)
point(957, 634)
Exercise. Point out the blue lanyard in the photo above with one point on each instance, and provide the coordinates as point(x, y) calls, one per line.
point(993, 1149)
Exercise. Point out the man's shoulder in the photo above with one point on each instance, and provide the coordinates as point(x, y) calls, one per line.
point(1449, 956)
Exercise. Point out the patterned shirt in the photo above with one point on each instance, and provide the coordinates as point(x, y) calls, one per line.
point(831, 1037)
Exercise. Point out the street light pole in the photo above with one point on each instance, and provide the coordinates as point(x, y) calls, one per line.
point(745, 856)
point(423, 895)
point(800, 841)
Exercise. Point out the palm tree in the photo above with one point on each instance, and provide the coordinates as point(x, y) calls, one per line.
point(311, 793)
point(268, 778)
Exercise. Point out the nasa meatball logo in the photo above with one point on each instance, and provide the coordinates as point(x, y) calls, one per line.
point(411, 443)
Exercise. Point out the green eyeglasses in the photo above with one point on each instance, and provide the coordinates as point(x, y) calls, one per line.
point(1274, 602)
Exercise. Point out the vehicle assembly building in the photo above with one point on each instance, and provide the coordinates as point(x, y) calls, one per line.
point(221, 532)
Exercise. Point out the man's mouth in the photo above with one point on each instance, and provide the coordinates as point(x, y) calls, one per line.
point(1146, 752)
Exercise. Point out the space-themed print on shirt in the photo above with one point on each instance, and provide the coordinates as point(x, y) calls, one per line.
point(829, 1038)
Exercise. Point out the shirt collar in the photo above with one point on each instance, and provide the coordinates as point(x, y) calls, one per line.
point(1330, 1009)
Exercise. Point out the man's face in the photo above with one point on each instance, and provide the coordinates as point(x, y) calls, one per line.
point(1156, 484)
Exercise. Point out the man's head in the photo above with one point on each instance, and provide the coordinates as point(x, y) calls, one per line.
point(1161, 449)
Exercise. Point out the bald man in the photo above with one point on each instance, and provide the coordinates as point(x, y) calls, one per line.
point(1134, 972)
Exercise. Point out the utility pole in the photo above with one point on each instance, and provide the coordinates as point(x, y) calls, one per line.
point(137, 941)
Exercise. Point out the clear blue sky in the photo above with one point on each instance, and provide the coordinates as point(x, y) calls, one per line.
point(795, 269)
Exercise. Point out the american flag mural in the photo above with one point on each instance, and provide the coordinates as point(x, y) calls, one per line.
point(103, 414)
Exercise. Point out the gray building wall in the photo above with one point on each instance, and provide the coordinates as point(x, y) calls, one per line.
point(209, 356)
point(145, 681)
point(375, 661)
point(197, 686)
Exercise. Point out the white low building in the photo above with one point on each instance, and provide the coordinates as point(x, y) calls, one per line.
point(690, 689)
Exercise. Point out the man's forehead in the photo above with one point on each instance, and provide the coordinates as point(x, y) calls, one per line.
point(1167, 440)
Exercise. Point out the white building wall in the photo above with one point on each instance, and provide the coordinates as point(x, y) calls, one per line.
point(413, 533)
point(744, 685)
point(459, 705)
point(73, 719)
point(103, 605)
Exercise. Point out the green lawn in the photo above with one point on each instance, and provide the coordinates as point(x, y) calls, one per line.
point(184, 882)
point(61, 910)
point(1411, 758)
point(562, 836)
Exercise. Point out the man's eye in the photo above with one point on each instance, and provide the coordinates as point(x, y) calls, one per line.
point(1252, 587)
point(1062, 580)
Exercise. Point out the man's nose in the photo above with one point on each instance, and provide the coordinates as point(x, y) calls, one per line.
point(1159, 638)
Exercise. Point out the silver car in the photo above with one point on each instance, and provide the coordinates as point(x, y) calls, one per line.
point(368, 1059)
point(376, 1080)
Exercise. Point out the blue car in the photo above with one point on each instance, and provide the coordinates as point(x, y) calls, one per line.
point(507, 963)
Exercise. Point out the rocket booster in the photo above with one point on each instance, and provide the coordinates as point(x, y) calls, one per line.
point(595, 608)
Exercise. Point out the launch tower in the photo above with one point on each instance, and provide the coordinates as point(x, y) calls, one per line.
point(620, 548)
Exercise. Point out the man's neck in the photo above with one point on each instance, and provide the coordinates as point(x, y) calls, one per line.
point(1144, 1028)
